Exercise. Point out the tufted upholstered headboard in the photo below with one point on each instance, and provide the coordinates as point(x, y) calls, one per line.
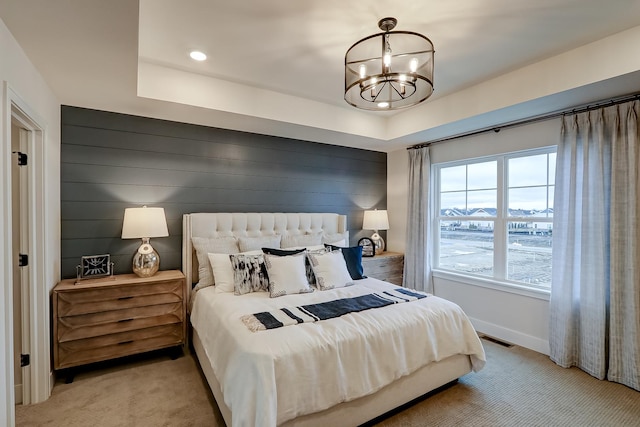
point(251, 225)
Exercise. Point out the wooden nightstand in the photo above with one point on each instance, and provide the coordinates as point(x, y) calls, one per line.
point(386, 266)
point(106, 318)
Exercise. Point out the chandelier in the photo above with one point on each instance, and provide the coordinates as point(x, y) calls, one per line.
point(389, 70)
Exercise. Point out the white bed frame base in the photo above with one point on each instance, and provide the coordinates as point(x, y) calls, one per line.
point(366, 408)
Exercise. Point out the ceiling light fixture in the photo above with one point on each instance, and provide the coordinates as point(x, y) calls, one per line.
point(197, 55)
point(389, 70)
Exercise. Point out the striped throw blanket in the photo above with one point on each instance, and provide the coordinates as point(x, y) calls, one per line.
point(327, 310)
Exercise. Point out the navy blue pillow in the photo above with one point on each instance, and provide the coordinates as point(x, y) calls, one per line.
point(281, 252)
point(353, 258)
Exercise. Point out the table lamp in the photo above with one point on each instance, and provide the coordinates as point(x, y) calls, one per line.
point(144, 223)
point(376, 220)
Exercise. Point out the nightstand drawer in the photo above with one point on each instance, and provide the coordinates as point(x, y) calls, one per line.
point(387, 268)
point(83, 351)
point(96, 324)
point(103, 299)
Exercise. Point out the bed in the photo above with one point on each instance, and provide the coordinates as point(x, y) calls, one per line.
point(346, 370)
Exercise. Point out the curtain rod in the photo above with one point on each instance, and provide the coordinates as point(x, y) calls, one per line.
point(498, 128)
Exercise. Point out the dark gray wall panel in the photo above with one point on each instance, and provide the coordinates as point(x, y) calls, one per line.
point(113, 161)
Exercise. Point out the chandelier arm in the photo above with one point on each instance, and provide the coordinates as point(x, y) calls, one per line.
point(399, 93)
point(378, 93)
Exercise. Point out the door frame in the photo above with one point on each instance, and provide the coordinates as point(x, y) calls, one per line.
point(17, 111)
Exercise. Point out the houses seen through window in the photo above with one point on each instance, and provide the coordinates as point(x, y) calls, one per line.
point(495, 217)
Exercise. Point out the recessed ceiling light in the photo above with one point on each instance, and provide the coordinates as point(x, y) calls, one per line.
point(383, 104)
point(197, 55)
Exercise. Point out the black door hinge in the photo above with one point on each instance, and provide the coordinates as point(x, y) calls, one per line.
point(23, 260)
point(25, 360)
point(22, 158)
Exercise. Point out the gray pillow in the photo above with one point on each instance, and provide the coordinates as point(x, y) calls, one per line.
point(211, 245)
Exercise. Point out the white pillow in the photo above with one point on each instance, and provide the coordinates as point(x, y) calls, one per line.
point(338, 239)
point(207, 245)
point(223, 273)
point(330, 270)
point(256, 243)
point(341, 243)
point(287, 275)
point(301, 240)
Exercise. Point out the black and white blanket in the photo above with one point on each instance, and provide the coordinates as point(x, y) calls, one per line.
point(327, 310)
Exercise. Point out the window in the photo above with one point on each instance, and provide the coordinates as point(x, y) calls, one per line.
point(495, 217)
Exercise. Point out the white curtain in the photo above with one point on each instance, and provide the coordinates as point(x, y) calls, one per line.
point(417, 271)
point(595, 290)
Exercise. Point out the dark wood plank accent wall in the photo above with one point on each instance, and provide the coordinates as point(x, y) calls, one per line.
point(112, 161)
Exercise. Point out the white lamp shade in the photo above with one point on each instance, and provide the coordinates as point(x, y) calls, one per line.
point(144, 222)
point(375, 220)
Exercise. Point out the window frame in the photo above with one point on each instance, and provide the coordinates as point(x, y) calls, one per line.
point(500, 222)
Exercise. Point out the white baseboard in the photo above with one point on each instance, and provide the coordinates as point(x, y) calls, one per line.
point(523, 340)
point(52, 381)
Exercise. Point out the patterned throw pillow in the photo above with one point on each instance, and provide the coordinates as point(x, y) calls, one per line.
point(330, 270)
point(353, 258)
point(249, 274)
point(284, 252)
point(286, 275)
point(311, 278)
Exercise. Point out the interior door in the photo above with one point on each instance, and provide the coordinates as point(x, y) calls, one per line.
point(20, 235)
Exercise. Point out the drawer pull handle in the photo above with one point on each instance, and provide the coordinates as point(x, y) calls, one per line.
point(125, 320)
point(121, 298)
point(125, 342)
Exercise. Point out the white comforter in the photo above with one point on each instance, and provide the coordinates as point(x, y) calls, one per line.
point(269, 377)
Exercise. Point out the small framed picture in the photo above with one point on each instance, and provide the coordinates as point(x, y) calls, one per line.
point(95, 266)
point(368, 247)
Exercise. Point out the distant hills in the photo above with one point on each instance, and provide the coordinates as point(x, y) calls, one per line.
point(491, 212)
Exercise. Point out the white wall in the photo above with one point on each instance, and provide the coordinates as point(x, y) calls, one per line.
point(19, 78)
point(520, 318)
point(397, 190)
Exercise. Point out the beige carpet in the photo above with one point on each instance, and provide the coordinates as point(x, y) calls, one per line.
point(518, 387)
point(150, 390)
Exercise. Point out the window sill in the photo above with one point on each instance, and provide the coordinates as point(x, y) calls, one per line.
point(513, 288)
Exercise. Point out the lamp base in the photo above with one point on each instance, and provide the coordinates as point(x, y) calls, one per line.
point(378, 242)
point(146, 261)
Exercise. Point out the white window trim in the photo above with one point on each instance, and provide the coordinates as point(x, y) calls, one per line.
point(500, 236)
point(492, 283)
